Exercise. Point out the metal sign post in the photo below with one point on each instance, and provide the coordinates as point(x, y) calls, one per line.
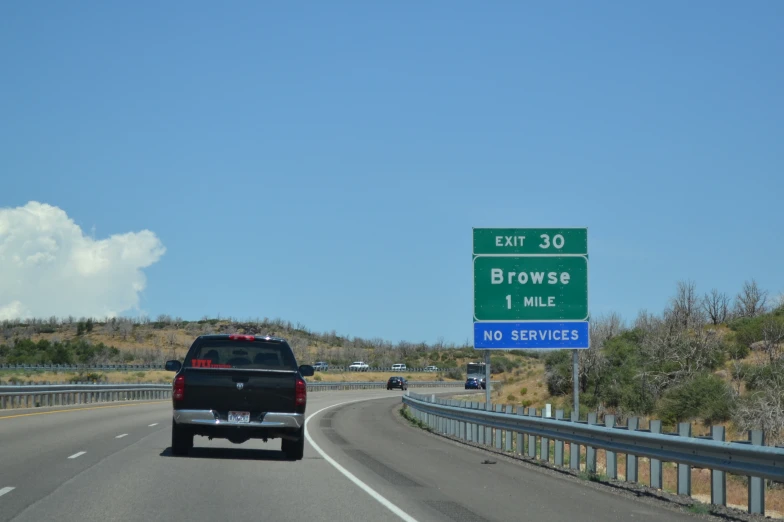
point(575, 379)
point(488, 395)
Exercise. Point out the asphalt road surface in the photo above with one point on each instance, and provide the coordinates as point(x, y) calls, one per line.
point(113, 462)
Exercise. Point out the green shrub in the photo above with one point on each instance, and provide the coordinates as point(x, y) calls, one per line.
point(705, 397)
point(511, 397)
point(527, 402)
point(523, 391)
point(737, 351)
point(759, 377)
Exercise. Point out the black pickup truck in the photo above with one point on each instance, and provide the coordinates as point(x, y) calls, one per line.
point(239, 387)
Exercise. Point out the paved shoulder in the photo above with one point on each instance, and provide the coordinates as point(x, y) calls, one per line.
point(434, 479)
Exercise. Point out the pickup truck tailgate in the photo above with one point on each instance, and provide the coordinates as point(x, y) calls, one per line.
point(256, 391)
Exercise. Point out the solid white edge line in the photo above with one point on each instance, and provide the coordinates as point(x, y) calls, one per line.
point(121, 436)
point(77, 455)
point(153, 424)
point(364, 487)
point(6, 490)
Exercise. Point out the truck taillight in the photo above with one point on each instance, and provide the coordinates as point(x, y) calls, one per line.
point(301, 392)
point(178, 391)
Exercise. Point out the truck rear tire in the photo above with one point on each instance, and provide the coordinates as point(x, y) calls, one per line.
point(182, 440)
point(294, 449)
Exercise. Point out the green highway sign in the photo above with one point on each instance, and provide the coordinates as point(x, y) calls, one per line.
point(530, 241)
point(531, 288)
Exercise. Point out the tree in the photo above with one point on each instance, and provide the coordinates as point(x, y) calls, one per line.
point(685, 305)
point(592, 360)
point(716, 306)
point(772, 330)
point(762, 410)
point(751, 301)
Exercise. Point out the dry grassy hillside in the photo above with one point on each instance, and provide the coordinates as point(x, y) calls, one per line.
point(152, 342)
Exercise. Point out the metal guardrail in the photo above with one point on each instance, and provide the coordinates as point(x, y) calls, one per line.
point(524, 431)
point(35, 395)
point(148, 367)
point(330, 386)
point(82, 367)
point(42, 395)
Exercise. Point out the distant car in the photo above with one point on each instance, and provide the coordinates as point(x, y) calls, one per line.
point(397, 382)
point(431, 369)
point(472, 383)
point(398, 367)
point(321, 366)
point(358, 366)
point(483, 382)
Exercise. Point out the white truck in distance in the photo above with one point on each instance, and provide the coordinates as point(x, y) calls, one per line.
point(358, 366)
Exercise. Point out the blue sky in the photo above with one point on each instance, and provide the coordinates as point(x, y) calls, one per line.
point(325, 162)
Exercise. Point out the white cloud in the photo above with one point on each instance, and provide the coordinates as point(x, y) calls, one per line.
point(48, 266)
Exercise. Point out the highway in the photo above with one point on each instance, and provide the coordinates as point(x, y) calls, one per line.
point(362, 462)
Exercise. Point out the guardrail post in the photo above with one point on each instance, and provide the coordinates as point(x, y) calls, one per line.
point(684, 470)
point(520, 443)
point(474, 426)
point(454, 425)
point(633, 424)
point(462, 424)
point(532, 438)
point(433, 418)
point(451, 422)
point(559, 444)
point(756, 484)
point(480, 428)
point(444, 422)
point(544, 445)
point(718, 478)
point(610, 456)
point(508, 436)
point(590, 451)
point(656, 473)
point(574, 449)
point(488, 429)
point(498, 433)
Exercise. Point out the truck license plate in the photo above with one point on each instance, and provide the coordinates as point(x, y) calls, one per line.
point(240, 417)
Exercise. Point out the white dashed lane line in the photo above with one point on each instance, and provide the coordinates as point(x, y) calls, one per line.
point(153, 424)
point(6, 490)
point(121, 436)
point(77, 455)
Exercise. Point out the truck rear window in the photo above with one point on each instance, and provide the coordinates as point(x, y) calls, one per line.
point(249, 355)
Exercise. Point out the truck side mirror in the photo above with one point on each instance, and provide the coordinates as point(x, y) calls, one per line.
point(173, 366)
point(306, 370)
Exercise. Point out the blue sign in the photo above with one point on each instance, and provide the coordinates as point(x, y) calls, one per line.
point(531, 335)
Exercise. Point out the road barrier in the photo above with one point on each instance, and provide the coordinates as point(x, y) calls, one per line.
point(329, 386)
point(37, 395)
point(150, 367)
point(40, 395)
point(525, 431)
